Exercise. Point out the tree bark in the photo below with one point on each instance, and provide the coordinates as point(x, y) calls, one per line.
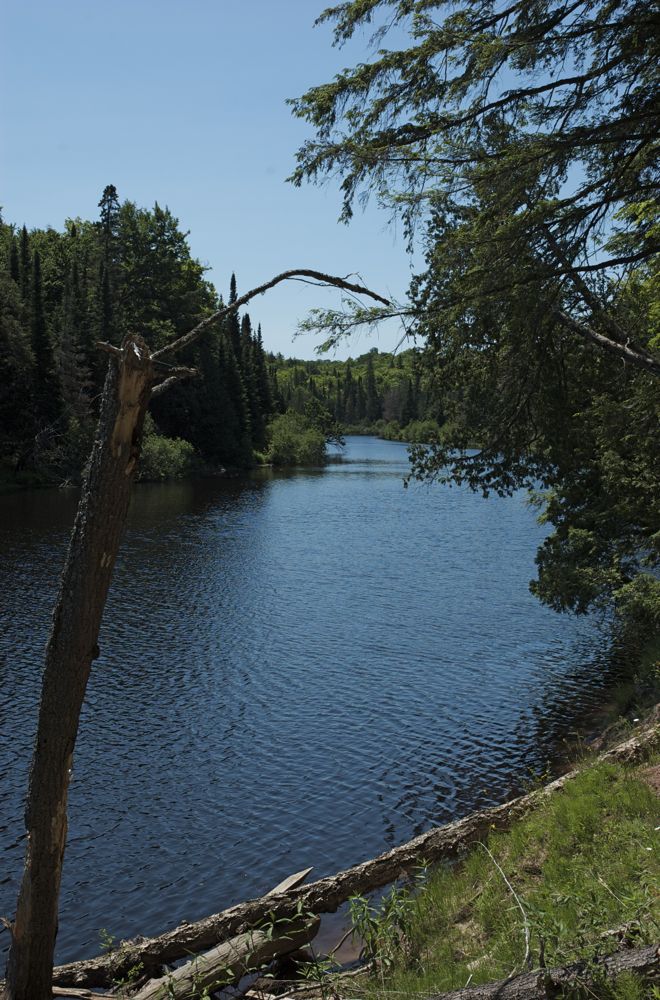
point(327, 894)
point(229, 961)
point(72, 647)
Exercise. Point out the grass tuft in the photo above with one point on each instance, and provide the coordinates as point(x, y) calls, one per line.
point(583, 865)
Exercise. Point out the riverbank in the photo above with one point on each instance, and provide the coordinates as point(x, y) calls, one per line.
point(574, 882)
point(592, 825)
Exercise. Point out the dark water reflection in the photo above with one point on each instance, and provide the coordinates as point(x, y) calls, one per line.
point(296, 670)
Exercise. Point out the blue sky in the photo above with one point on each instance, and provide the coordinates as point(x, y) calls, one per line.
point(183, 102)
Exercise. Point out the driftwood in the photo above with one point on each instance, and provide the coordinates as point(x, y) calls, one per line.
point(327, 894)
point(644, 962)
point(75, 994)
point(227, 962)
point(292, 882)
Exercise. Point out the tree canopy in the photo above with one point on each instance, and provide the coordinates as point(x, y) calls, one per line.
point(518, 142)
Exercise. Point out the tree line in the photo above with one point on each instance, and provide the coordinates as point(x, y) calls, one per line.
point(61, 293)
point(378, 392)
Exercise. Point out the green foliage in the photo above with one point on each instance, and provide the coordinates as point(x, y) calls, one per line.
point(126, 984)
point(166, 458)
point(61, 292)
point(106, 939)
point(522, 143)
point(293, 440)
point(638, 606)
point(581, 865)
point(385, 930)
point(415, 432)
point(364, 394)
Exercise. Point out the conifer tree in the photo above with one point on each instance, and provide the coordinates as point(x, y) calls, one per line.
point(409, 410)
point(47, 395)
point(74, 375)
point(373, 404)
point(25, 266)
point(242, 451)
point(16, 409)
point(232, 326)
point(263, 380)
point(14, 265)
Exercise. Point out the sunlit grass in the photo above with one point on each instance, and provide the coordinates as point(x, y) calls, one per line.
point(584, 864)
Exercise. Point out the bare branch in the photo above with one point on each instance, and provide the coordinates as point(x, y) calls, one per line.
point(176, 375)
point(326, 279)
point(629, 351)
point(102, 345)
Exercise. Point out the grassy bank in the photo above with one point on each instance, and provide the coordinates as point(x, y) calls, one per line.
point(569, 882)
point(573, 881)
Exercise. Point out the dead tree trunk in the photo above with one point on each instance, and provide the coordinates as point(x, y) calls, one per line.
point(73, 643)
point(71, 648)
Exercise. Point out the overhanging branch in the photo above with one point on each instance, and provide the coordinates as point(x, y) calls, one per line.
point(325, 279)
point(629, 351)
point(176, 375)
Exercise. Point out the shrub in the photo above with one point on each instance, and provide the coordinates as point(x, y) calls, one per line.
point(292, 440)
point(166, 458)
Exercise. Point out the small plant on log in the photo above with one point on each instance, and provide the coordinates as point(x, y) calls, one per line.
point(383, 930)
point(121, 985)
point(318, 970)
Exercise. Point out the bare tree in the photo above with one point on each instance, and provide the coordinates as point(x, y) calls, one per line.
point(73, 642)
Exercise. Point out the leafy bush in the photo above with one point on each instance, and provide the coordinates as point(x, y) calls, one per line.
point(293, 440)
point(416, 432)
point(166, 458)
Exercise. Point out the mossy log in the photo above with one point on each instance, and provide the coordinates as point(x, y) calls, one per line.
point(327, 894)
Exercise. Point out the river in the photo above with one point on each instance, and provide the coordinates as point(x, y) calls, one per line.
point(296, 669)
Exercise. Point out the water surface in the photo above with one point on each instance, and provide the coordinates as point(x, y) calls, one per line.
point(295, 670)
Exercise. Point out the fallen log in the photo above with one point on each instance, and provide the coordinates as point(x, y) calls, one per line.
point(227, 962)
point(546, 983)
point(72, 993)
point(327, 894)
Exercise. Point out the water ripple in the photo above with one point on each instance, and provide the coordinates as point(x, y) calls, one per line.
point(295, 670)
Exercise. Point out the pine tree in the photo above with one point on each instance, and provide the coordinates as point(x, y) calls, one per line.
point(409, 410)
point(236, 390)
point(263, 380)
point(16, 405)
point(373, 405)
point(109, 219)
point(74, 375)
point(47, 394)
point(232, 325)
point(14, 264)
point(25, 266)
point(250, 374)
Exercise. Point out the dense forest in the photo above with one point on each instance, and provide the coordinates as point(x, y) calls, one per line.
point(61, 293)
